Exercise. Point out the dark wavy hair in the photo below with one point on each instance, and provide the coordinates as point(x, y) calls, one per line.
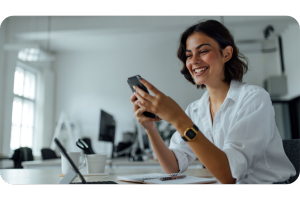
point(234, 69)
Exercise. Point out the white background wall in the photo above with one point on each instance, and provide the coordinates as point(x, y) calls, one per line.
point(291, 51)
point(2, 55)
point(95, 56)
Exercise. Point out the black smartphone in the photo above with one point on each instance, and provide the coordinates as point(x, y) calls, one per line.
point(134, 81)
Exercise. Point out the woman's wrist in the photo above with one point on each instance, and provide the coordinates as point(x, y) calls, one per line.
point(182, 123)
point(151, 130)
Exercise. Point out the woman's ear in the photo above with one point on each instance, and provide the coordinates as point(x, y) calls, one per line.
point(227, 52)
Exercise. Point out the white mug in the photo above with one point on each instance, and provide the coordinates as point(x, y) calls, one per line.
point(75, 156)
point(95, 163)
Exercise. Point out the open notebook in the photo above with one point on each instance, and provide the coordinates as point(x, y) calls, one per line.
point(154, 178)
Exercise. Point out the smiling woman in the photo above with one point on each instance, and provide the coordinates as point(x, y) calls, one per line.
point(218, 38)
point(231, 129)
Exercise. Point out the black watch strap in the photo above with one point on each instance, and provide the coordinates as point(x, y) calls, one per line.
point(185, 139)
point(196, 128)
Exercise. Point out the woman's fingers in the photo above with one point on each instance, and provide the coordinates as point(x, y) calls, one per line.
point(150, 87)
point(132, 98)
point(144, 94)
point(141, 100)
point(139, 113)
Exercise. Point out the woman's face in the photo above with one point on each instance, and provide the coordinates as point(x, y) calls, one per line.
point(204, 60)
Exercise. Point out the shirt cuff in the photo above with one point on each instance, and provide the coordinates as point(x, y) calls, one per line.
point(181, 159)
point(237, 164)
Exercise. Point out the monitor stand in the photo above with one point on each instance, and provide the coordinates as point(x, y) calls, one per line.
point(69, 177)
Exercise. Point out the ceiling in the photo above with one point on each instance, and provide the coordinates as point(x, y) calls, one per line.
point(67, 34)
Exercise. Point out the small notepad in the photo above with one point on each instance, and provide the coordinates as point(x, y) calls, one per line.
point(154, 179)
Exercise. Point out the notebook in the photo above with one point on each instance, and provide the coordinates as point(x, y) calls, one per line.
point(154, 178)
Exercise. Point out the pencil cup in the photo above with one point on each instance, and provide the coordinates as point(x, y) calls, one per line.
point(75, 156)
point(95, 163)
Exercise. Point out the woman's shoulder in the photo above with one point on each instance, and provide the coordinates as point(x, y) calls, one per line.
point(254, 93)
point(249, 90)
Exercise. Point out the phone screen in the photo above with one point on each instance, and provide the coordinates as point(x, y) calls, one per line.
point(134, 81)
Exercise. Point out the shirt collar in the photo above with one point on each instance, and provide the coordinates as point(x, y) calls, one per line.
point(233, 93)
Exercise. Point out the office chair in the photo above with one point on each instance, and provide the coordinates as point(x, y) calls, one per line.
point(48, 154)
point(292, 150)
point(20, 155)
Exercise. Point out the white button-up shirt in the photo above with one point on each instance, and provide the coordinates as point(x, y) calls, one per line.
point(244, 129)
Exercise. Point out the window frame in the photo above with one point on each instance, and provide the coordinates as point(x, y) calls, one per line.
point(35, 72)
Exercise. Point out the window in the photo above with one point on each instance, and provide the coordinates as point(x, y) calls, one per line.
point(23, 112)
point(29, 54)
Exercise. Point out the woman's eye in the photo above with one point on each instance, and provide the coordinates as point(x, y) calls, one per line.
point(188, 56)
point(203, 52)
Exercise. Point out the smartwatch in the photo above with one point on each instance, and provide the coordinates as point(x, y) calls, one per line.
point(190, 134)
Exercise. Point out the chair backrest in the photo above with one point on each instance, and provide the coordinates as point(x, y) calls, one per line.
point(20, 155)
point(292, 150)
point(48, 154)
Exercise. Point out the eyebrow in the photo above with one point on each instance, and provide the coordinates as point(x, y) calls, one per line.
point(198, 47)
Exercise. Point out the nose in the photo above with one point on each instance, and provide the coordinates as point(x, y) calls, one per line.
point(195, 60)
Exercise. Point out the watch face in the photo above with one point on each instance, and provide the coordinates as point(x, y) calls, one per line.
point(191, 134)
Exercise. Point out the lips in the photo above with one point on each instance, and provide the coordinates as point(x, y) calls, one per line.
point(200, 70)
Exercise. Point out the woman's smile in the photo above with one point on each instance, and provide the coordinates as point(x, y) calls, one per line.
point(198, 71)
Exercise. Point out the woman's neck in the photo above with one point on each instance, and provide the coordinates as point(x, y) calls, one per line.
point(217, 93)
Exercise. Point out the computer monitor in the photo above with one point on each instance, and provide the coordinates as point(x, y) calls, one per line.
point(107, 128)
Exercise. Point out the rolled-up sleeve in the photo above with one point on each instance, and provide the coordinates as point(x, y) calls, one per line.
point(184, 154)
point(248, 138)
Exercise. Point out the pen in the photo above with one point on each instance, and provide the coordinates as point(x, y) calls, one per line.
point(172, 177)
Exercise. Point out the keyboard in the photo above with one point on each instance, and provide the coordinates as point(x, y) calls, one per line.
point(96, 182)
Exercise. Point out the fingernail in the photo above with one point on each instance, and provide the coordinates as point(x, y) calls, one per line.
point(134, 87)
point(139, 77)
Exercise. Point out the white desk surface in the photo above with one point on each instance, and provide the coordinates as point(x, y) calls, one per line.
point(50, 176)
point(114, 162)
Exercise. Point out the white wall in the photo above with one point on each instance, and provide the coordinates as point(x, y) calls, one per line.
point(2, 62)
point(291, 52)
point(255, 75)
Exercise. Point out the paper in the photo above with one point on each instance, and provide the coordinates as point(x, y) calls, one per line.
point(136, 178)
point(186, 180)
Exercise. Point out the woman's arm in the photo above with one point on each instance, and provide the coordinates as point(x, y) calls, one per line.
point(214, 159)
point(166, 108)
point(165, 156)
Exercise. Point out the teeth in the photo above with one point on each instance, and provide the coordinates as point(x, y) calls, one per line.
point(200, 70)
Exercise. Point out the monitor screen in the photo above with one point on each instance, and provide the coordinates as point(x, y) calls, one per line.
point(107, 127)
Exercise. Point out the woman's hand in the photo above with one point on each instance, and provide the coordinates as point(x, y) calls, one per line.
point(146, 122)
point(160, 104)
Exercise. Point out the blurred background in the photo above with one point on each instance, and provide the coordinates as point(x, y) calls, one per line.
point(67, 76)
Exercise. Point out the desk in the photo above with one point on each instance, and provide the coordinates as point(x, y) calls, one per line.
point(50, 176)
point(114, 164)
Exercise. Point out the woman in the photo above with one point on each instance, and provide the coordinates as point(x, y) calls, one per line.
point(231, 129)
